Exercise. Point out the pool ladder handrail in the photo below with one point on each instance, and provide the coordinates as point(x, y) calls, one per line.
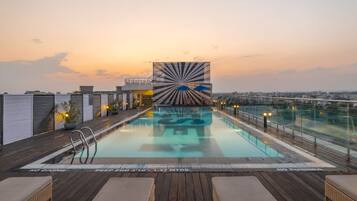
point(91, 132)
point(84, 144)
point(94, 139)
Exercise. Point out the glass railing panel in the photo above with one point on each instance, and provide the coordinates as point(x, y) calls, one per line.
point(326, 122)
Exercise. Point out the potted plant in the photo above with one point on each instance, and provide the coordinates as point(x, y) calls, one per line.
point(113, 109)
point(71, 116)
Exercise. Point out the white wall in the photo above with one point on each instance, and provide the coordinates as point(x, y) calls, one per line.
point(103, 104)
point(124, 101)
point(131, 100)
point(59, 100)
point(18, 117)
point(87, 109)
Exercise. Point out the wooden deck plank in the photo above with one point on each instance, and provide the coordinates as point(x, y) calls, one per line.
point(206, 188)
point(163, 186)
point(197, 186)
point(181, 187)
point(190, 192)
point(173, 194)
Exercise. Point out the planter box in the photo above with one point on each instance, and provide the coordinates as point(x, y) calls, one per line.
point(69, 126)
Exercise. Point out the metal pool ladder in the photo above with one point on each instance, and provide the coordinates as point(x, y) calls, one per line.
point(84, 143)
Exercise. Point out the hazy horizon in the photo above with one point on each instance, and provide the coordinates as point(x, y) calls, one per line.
point(253, 45)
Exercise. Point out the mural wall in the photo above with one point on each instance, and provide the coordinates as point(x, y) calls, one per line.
point(182, 83)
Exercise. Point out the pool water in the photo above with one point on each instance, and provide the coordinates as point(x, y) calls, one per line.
point(181, 132)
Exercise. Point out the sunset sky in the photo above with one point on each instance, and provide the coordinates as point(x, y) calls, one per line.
point(253, 45)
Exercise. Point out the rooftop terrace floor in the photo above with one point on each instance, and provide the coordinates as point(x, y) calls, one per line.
point(187, 186)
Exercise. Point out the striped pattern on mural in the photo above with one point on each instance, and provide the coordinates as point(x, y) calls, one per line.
point(182, 83)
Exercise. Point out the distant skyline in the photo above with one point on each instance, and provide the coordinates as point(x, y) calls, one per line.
point(253, 45)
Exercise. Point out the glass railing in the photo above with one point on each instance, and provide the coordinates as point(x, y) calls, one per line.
point(331, 123)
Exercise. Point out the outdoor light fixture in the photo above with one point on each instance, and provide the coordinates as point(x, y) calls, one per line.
point(107, 107)
point(266, 115)
point(66, 115)
point(235, 107)
point(222, 105)
point(293, 108)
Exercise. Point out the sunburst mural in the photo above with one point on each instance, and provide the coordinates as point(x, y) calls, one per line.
point(182, 83)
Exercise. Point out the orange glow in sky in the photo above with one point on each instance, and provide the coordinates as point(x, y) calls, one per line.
point(101, 42)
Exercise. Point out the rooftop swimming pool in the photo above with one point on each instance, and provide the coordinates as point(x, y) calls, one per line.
point(179, 139)
point(178, 132)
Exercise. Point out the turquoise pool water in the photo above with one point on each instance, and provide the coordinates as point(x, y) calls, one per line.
point(194, 132)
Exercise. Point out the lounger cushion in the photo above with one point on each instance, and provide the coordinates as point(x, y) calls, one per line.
point(127, 189)
point(22, 188)
point(345, 183)
point(239, 189)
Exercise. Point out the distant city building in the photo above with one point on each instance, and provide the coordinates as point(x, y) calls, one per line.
point(182, 83)
point(86, 89)
point(37, 92)
point(140, 89)
point(119, 89)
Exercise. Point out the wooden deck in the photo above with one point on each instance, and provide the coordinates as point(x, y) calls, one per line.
point(169, 186)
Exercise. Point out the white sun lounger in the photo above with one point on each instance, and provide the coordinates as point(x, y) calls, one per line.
point(239, 189)
point(26, 189)
point(127, 189)
point(341, 187)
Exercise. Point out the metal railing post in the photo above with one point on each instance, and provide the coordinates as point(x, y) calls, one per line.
point(315, 142)
point(301, 130)
point(348, 134)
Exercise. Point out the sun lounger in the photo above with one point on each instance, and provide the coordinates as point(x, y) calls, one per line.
point(26, 189)
point(341, 187)
point(239, 189)
point(127, 189)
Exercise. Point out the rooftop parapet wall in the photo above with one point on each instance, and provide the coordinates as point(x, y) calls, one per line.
point(22, 116)
point(43, 109)
point(17, 117)
point(1, 118)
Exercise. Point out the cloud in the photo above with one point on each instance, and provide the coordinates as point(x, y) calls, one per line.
point(215, 47)
point(44, 74)
point(50, 74)
point(186, 52)
point(249, 56)
point(37, 41)
point(198, 58)
point(101, 72)
point(317, 78)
